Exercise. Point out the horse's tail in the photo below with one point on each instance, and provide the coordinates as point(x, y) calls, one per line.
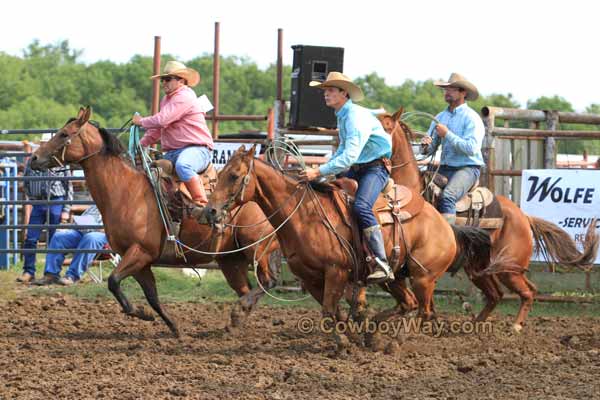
point(474, 249)
point(557, 246)
point(503, 263)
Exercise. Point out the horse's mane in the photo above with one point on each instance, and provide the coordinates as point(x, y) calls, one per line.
point(407, 130)
point(321, 187)
point(112, 145)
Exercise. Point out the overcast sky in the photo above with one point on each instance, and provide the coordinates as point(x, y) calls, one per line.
point(527, 48)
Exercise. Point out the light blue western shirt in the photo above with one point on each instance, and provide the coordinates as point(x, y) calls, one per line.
point(462, 144)
point(362, 139)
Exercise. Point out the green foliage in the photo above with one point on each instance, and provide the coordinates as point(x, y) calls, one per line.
point(49, 83)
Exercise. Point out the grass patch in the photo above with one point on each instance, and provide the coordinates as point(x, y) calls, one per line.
point(174, 286)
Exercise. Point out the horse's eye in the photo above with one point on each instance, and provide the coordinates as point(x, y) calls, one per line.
point(233, 177)
point(64, 134)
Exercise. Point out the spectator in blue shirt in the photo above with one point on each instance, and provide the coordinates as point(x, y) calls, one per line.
point(41, 214)
point(73, 239)
point(460, 132)
point(363, 153)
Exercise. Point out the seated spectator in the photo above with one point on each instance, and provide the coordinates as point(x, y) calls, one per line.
point(71, 239)
point(40, 213)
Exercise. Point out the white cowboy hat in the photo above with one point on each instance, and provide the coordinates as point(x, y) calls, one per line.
point(175, 68)
point(340, 81)
point(46, 137)
point(459, 81)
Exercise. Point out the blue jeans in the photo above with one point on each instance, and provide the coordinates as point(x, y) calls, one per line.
point(460, 180)
point(371, 181)
point(38, 216)
point(72, 239)
point(189, 161)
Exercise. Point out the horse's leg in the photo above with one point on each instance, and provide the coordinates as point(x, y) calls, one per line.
point(515, 242)
point(492, 292)
point(526, 290)
point(405, 298)
point(423, 287)
point(133, 261)
point(360, 308)
point(145, 278)
point(336, 279)
point(235, 271)
point(267, 272)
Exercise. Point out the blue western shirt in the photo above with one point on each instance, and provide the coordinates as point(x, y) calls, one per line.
point(462, 144)
point(362, 139)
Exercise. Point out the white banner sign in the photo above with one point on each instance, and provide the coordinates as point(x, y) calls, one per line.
point(223, 152)
point(568, 198)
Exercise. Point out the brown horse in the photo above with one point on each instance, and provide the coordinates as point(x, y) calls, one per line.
point(134, 227)
point(513, 242)
point(315, 238)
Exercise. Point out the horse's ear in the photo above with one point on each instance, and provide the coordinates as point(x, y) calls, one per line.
point(80, 113)
point(398, 114)
point(87, 114)
point(84, 115)
point(241, 149)
point(252, 151)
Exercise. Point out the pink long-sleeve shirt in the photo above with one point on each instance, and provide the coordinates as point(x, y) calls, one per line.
point(179, 123)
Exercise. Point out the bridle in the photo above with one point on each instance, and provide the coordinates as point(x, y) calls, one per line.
point(63, 149)
point(242, 189)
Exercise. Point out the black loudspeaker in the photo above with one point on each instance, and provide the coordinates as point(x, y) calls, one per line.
point(312, 63)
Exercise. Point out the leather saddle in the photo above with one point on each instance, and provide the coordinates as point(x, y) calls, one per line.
point(395, 205)
point(479, 207)
point(174, 191)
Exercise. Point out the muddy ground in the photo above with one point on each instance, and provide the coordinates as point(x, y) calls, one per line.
point(60, 347)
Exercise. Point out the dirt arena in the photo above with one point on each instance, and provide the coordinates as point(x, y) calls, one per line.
point(59, 347)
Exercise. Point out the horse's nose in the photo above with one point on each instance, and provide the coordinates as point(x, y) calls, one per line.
point(34, 161)
point(211, 215)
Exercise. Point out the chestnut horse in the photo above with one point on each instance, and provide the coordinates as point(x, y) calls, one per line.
point(315, 239)
point(513, 242)
point(134, 227)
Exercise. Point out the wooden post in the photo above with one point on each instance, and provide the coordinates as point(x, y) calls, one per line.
point(488, 150)
point(550, 142)
point(216, 79)
point(156, 71)
point(588, 281)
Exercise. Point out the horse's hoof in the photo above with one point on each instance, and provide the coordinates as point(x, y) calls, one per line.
point(375, 342)
point(143, 314)
point(517, 328)
point(341, 341)
point(237, 317)
point(392, 348)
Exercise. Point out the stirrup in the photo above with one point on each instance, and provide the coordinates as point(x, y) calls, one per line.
point(383, 273)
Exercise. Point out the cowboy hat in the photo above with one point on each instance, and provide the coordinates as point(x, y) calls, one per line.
point(459, 81)
point(340, 81)
point(46, 137)
point(175, 68)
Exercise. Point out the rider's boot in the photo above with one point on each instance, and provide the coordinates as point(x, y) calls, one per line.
point(383, 272)
point(196, 189)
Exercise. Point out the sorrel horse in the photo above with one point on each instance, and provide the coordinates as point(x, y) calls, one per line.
point(134, 227)
point(513, 242)
point(314, 237)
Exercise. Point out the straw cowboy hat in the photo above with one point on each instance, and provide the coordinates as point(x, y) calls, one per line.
point(175, 68)
point(340, 81)
point(459, 81)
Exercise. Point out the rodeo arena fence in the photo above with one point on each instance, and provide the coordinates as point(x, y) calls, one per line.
point(514, 157)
